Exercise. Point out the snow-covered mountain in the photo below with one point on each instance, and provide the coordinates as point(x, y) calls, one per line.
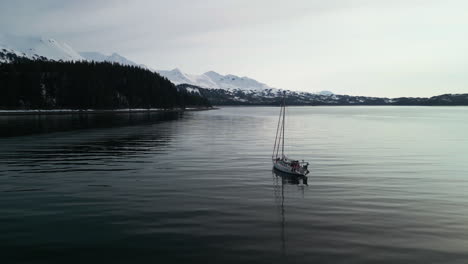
point(229, 82)
point(214, 80)
point(114, 57)
point(237, 97)
point(328, 93)
point(40, 47)
point(36, 47)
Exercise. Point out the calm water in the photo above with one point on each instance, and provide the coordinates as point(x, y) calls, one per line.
point(387, 185)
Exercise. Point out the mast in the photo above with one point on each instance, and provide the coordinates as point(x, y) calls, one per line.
point(278, 135)
point(284, 117)
point(279, 138)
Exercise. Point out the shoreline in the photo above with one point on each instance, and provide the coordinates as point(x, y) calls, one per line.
point(218, 106)
point(99, 111)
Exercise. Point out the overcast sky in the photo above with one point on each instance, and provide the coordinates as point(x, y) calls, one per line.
point(360, 47)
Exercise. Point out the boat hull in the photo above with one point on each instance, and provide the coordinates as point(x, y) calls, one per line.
point(287, 169)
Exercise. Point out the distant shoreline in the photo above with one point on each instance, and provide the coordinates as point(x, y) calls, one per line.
point(98, 111)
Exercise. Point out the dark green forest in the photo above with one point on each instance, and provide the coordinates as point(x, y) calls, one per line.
point(44, 84)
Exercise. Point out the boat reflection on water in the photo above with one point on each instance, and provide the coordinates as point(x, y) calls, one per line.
point(281, 179)
point(291, 179)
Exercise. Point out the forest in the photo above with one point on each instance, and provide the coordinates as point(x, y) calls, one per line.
point(46, 84)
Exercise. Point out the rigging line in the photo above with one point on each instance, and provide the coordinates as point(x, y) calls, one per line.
point(277, 130)
point(279, 142)
point(281, 135)
point(277, 139)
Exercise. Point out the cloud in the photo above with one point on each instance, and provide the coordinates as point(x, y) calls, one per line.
point(368, 47)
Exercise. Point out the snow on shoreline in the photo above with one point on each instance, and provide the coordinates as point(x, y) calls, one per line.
point(98, 111)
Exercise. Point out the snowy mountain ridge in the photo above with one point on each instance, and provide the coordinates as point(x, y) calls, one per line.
point(114, 57)
point(229, 82)
point(36, 47)
point(40, 48)
point(215, 80)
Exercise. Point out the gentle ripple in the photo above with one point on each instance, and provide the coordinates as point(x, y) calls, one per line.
point(388, 185)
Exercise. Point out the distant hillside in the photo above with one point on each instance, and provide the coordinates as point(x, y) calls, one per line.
point(273, 97)
point(44, 84)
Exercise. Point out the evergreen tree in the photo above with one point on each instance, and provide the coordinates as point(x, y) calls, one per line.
point(43, 84)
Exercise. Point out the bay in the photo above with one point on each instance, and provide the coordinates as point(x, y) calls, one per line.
point(387, 184)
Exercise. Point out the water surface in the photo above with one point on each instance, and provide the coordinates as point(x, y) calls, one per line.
point(387, 184)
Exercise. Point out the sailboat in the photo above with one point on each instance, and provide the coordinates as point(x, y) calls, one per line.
point(280, 161)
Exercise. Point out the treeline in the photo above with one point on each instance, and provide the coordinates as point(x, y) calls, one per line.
point(43, 84)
